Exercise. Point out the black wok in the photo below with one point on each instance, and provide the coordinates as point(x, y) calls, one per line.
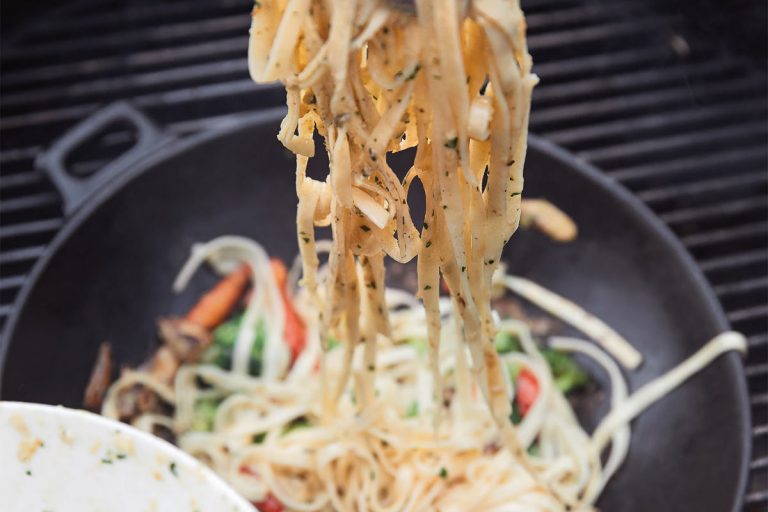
point(108, 275)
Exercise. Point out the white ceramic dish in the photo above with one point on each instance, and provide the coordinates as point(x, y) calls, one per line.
point(65, 460)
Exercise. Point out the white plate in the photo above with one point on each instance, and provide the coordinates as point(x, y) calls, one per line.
point(61, 460)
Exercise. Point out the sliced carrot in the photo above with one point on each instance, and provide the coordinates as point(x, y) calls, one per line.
point(294, 331)
point(527, 390)
point(217, 304)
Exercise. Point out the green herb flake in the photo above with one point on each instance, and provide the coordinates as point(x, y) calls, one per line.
point(173, 470)
point(452, 143)
point(413, 73)
point(429, 243)
point(413, 410)
point(306, 239)
point(443, 472)
point(106, 461)
point(258, 438)
point(513, 194)
point(427, 287)
point(28, 472)
point(121, 456)
point(300, 422)
point(371, 367)
point(516, 417)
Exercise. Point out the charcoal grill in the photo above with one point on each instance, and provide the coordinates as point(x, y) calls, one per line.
point(664, 101)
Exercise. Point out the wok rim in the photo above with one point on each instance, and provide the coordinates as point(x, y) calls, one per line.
point(735, 363)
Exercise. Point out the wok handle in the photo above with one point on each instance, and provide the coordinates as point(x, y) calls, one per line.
point(76, 190)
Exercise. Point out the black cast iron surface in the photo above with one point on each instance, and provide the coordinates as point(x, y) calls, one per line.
point(666, 97)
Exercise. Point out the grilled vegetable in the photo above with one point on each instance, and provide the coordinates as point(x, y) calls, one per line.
point(507, 342)
point(568, 375)
point(526, 390)
point(224, 337)
point(215, 306)
point(101, 377)
point(270, 504)
point(294, 331)
point(186, 339)
point(205, 412)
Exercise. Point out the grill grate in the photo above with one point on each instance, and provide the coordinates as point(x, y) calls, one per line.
point(635, 90)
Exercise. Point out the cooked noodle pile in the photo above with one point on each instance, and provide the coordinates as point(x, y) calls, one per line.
point(391, 424)
point(271, 434)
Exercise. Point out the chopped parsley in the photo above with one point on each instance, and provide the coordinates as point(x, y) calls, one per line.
point(413, 410)
point(172, 468)
point(443, 472)
point(452, 143)
point(413, 73)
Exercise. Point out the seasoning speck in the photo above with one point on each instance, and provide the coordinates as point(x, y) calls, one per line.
point(443, 473)
point(172, 467)
point(413, 73)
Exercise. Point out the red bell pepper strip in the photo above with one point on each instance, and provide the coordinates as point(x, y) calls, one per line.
point(527, 390)
point(270, 504)
point(294, 330)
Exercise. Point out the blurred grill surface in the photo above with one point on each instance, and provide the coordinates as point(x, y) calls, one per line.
point(655, 98)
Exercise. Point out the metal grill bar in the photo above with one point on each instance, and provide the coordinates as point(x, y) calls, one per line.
point(598, 134)
point(677, 168)
point(747, 285)
point(657, 148)
point(747, 181)
point(144, 36)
